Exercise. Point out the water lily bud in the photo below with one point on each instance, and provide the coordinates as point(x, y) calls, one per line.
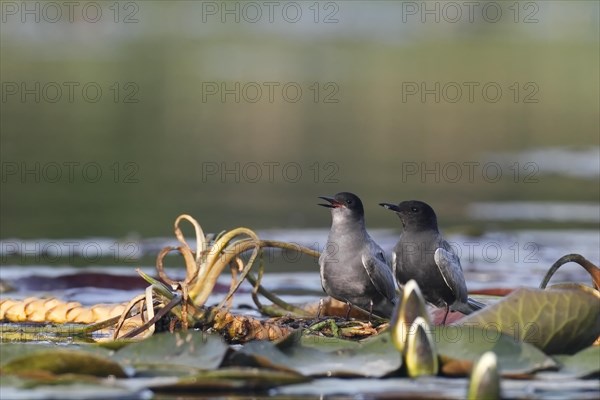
point(485, 381)
point(420, 351)
point(410, 306)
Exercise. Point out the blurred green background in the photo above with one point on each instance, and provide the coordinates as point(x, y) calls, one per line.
point(161, 141)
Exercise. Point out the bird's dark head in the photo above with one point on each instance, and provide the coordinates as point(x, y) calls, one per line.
point(345, 204)
point(414, 214)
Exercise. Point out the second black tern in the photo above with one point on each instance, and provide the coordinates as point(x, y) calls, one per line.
point(353, 267)
point(424, 255)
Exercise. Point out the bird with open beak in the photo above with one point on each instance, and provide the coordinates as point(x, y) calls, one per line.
point(353, 267)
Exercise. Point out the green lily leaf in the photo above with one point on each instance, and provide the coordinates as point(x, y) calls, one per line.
point(434, 387)
point(11, 351)
point(468, 343)
point(178, 353)
point(557, 321)
point(66, 387)
point(61, 361)
point(233, 379)
point(582, 364)
point(322, 343)
point(424, 387)
point(374, 357)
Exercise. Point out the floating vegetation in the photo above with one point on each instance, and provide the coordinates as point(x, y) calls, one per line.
point(167, 339)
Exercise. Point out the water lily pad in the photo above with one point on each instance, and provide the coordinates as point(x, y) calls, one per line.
point(374, 357)
point(63, 361)
point(66, 388)
point(460, 346)
point(322, 343)
point(582, 364)
point(232, 379)
point(179, 353)
point(556, 321)
point(10, 351)
point(390, 388)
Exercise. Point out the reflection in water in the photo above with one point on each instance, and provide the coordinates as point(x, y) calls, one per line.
point(576, 163)
point(543, 210)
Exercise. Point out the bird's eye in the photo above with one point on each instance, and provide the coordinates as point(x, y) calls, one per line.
point(348, 201)
point(414, 209)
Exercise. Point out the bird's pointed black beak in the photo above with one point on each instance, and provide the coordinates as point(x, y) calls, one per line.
point(390, 206)
point(333, 203)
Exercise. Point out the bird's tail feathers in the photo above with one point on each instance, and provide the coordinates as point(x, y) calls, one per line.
point(474, 304)
point(469, 307)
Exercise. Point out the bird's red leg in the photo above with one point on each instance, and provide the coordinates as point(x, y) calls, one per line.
point(446, 315)
point(320, 308)
point(349, 309)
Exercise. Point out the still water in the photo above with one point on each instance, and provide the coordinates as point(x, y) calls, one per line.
point(501, 259)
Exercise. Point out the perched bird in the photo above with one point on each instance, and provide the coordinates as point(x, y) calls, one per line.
point(353, 267)
point(424, 255)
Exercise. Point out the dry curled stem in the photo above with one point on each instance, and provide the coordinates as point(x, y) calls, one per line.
point(592, 269)
point(184, 299)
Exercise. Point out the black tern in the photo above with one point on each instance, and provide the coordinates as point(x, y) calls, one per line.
point(424, 255)
point(354, 269)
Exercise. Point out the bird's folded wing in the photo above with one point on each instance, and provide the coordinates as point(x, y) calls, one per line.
point(381, 276)
point(394, 267)
point(449, 265)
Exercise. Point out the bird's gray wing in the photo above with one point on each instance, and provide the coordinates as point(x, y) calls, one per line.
point(322, 270)
point(395, 267)
point(449, 265)
point(394, 260)
point(380, 274)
